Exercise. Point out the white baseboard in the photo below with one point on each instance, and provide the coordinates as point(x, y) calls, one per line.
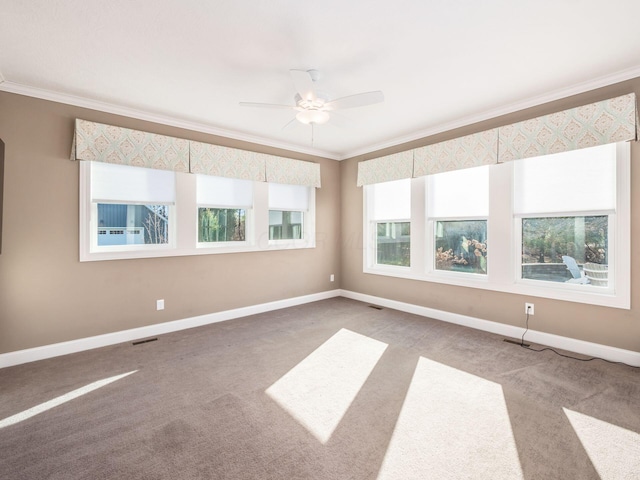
point(579, 346)
point(73, 346)
point(565, 343)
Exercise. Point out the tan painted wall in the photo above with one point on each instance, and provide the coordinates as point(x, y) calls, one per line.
point(1, 187)
point(48, 296)
point(608, 326)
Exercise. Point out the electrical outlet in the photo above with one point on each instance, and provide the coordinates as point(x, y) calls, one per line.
point(332, 277)
point(528, 308)
point(160, 304)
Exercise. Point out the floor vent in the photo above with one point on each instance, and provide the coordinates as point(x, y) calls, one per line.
point(145, 341)
point(376, 307)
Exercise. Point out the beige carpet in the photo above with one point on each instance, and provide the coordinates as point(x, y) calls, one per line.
point(328, 390)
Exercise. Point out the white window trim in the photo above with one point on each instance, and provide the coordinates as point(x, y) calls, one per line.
point(504, 271)
point(184, 226)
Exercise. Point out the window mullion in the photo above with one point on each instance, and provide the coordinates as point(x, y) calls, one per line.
point(501, 235)
point(418, 226)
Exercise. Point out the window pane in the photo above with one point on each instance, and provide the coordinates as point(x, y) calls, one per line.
point(130, 224)
point(393, 244)
point(580, 240)
point(461, 193)
point(285, 225)
point(461, 246)
point(221, 224)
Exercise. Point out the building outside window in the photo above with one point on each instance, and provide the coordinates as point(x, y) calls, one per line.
point(122, 224)
point(286, 225)
point(130, 206)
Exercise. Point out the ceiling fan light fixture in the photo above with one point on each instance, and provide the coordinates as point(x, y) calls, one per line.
point(312, 116)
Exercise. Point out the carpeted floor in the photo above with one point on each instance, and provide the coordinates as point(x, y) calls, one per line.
point(328, 390)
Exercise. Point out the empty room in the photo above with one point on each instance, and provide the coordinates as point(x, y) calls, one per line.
point(319, 240)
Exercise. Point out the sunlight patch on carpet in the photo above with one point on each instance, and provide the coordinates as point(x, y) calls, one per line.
point(614, 451)
point(319, 390)
point(48, 405)
point(452, 425)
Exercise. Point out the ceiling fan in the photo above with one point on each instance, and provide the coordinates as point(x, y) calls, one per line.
point(314, 106)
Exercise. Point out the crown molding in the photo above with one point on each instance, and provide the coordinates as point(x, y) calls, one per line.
point(115, 109)
point(83, 102)
point(561, 93)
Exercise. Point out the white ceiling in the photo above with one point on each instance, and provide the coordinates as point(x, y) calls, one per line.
point(440, 63)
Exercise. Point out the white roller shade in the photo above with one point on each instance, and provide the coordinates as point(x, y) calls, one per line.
point(461, 193)
point(288, 197)
point(120, 183)
point(577, 181)
point(224, 192)
point(391, 200)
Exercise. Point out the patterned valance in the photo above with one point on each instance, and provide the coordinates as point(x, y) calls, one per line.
point(608, 121)
point(598, 123)
point(105, 143)
point(292, 172)
point(464, 152)
point(227, 162)
point(385, 169)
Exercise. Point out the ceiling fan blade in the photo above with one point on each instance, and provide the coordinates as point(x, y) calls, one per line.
point(267, 105)
point(290, 124)
point(303, 84)
point(340, 120)
point(357, 100)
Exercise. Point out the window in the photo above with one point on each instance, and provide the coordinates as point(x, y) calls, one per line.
point(390, 222)
point(131, 208)
point(457, 209)
point(565, 206)
point(221, 224)
point(288, 212)
point(393, 245)
point(131, 212)
point(223, 207)
point(126, 224)
point(461, 246)
point(556, 226)
point(285, 225)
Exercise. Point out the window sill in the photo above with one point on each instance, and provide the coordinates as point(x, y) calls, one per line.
point(586, 294)
point(201, 249)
